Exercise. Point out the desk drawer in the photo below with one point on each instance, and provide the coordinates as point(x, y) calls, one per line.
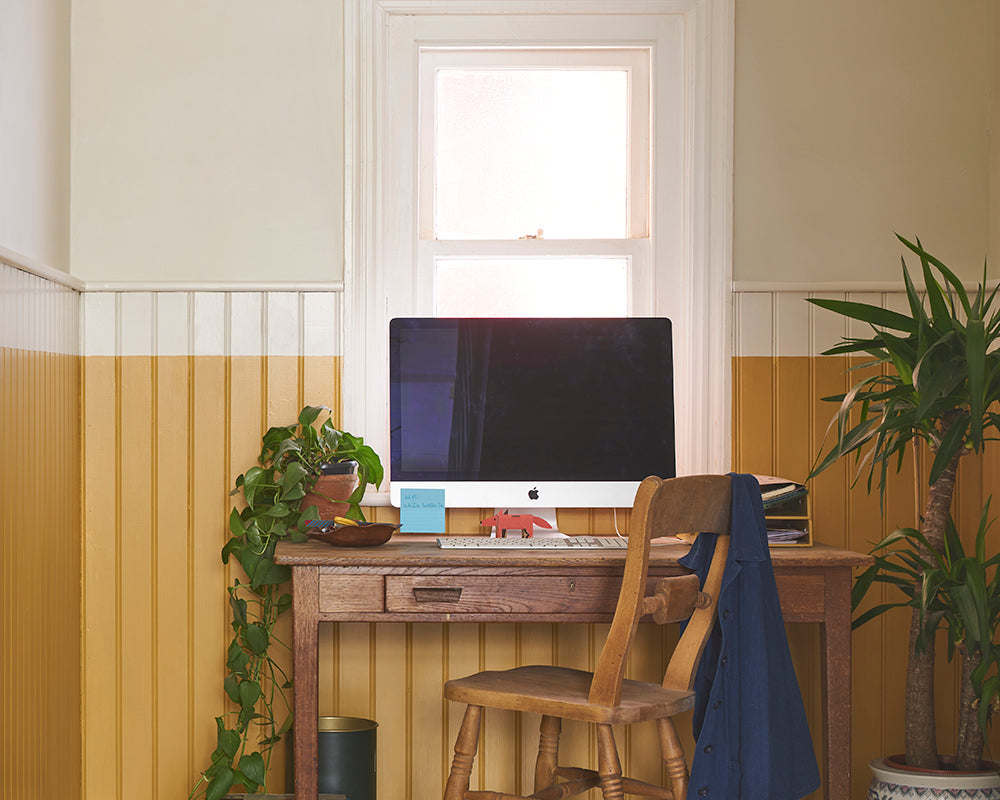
point(500, 595)
point(340, 593)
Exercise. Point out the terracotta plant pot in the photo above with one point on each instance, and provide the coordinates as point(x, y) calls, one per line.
point(332, 489)
point(894, 781)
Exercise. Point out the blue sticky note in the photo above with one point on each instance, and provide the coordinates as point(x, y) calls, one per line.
point(421, 510)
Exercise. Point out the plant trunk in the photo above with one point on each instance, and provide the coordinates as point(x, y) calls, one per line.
point(969, 749)
point(921, 735)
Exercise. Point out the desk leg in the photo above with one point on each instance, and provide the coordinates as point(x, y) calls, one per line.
point(305, 666)
point(836, 657)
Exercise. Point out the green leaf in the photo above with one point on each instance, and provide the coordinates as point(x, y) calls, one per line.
point(952, 441)
point(236, 659)
point(975, 358)
point(252, 767)
point(236, 525)
point(267, 573)
point(231, 685)
point(239, 608)
point(228, 741)
point(256, 639)
point(309, 414)
point(872, 613)
point(863, 312)
point(220, 784)
point(229, 548)
point(949, 276)
point(250, 693)
point(293, 475)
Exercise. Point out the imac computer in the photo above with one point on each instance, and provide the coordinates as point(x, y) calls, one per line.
point(530, 413)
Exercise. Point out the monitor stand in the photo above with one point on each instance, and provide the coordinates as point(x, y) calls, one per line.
point(538, 531)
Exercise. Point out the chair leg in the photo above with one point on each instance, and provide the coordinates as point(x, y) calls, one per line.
point(465, 751)
point(548, 752)
point(608, 764)
point(673, 758)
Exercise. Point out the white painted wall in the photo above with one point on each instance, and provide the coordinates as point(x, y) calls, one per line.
point(855, 119)
point(34, 130)
point(207, 140)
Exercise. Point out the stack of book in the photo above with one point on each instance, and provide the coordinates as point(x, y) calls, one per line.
point(777, 494)
point(786, 509)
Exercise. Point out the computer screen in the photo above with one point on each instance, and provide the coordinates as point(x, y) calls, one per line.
point(530, 412)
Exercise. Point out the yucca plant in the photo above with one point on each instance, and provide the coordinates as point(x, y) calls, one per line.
point(937, 383)
point(960, 592)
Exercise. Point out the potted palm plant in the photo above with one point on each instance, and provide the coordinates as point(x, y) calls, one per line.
point(282, 494)
point(937, 381)
point(961, 592)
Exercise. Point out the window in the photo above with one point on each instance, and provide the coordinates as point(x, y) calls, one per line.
point(527, 157)
point(457, 200)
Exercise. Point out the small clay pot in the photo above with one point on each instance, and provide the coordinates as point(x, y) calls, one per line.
point(336, 483)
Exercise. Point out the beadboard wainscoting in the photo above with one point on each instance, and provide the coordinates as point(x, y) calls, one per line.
point(40, 549)
point(150, 405)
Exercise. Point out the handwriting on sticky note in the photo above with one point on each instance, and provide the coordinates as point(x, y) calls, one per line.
point(421, 510)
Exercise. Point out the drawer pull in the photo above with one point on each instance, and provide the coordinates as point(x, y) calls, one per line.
point(428, 594)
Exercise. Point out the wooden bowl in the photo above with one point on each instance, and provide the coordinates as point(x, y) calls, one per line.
point(364, 534)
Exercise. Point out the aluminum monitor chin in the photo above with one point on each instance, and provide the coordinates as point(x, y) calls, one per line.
point(530, 412)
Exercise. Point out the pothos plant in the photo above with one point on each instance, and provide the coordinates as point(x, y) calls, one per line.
point(291, 460)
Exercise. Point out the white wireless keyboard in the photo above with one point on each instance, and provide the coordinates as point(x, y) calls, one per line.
point(540, 543)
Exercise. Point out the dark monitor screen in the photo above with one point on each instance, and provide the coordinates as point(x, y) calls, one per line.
point(540, 400)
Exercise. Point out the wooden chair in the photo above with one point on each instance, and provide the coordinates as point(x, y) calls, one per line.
point(662, 508)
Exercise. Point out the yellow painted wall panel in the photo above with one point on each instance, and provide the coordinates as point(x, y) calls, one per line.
point(143, 416)
point(209, 478)
point(40, 603)
point(135, 574)
point(102, 736)
point(171, 669)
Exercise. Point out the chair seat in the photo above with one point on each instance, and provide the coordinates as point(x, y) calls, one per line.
point(562, 692)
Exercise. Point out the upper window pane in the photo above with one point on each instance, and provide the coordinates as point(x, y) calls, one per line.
point(523, 151)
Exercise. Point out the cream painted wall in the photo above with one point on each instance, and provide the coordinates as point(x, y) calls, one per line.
point(34, 130)
point(207, 140)
point(856, 119)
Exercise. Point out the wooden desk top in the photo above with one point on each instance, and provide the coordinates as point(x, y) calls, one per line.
point(413, 551)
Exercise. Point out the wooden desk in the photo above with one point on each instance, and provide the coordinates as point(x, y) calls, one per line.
point(415, 581)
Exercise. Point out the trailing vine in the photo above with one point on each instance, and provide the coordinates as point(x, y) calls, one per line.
point(290, 462)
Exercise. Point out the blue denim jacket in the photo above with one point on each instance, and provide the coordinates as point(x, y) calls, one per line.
point(752, 740)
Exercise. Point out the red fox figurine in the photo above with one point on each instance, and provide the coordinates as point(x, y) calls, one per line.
point(513, 522)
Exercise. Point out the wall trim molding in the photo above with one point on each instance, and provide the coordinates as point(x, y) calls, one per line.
point(33, 267)
point(168, 286)
point(855, 287)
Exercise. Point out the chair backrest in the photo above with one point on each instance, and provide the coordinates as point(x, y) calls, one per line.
point(691, 504)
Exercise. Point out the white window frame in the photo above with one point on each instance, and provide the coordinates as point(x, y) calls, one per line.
point(635, 246)
point(692, 226)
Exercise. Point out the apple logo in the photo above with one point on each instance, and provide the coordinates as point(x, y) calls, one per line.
point(533, 494)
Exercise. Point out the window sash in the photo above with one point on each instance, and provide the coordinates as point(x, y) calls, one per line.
point(637, 251)
point(635, 61)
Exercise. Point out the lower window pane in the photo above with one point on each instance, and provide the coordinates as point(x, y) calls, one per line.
point(531, 287)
